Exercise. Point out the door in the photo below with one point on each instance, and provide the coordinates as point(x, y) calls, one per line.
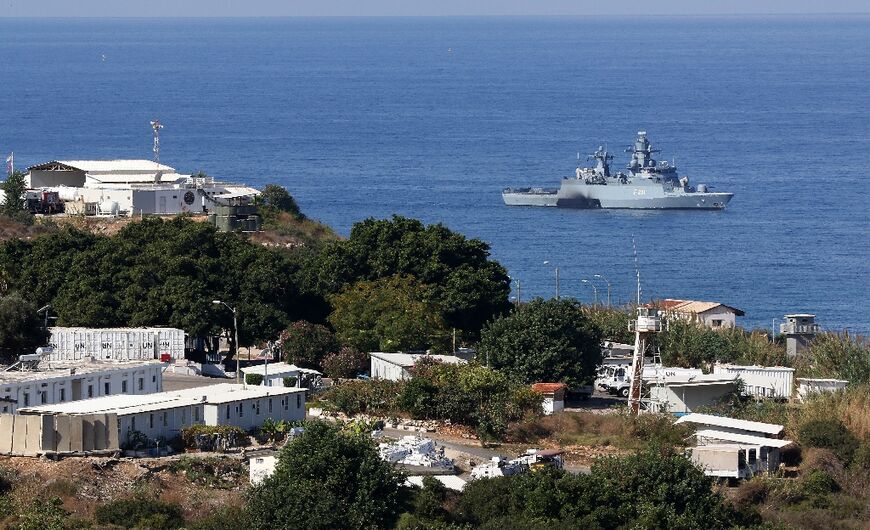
point(162, 207)
point(76, 389)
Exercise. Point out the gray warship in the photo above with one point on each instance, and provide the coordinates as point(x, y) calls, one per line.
point(646, 185)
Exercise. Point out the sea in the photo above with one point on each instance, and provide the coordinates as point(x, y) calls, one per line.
point(431, 117)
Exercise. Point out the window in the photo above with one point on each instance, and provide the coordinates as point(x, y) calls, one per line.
point(151, 421)
point(228, 412)
point(43, 397)
point(153, 378)
point(166, 419)
point(106, 387)
point(26, 399)
point(90, 391)
point(286, 403)
point(257, 407)
point(141, 383)
point(270, 405)
point(124, 386)
point(717, 323)
point(752, 457)
point(6, 408)
point(63, 394)
point(241, 411)
point(762, 454)
point(195, 413)
point(133, 423)
point(298, 400)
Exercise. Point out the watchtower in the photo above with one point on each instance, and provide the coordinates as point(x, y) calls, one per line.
point(647, 324)
point(799, 330)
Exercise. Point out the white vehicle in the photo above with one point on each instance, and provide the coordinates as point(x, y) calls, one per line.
point(616, 380)
point(415, 451)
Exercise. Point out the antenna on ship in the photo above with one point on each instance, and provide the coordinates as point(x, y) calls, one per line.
point(156, 126)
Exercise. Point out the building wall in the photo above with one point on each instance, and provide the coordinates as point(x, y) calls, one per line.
point(62, 388)
point(247, 414)
point(381, 369)
point(119, 344)
point(261, 467)
point(687, 398)
point(48, 179)
point(762, 381)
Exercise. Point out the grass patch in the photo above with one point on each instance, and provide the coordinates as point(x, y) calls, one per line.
point(217, 473)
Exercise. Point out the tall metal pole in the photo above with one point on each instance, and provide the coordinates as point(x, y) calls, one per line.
point(601, 277)
point(590, 283)
point(519, 294)
point(238, 355)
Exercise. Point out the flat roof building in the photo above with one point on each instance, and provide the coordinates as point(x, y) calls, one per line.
point(165, 414)
point(53, 382)
point(274, 374)
point(761, 381)
point(685, 394)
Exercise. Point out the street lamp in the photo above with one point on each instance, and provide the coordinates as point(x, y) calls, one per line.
point(557, 279)
point(601, 277)
point(594, 290)
point(44, 309)
point(236, 330)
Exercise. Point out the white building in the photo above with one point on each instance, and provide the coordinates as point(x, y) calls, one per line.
point(394, 366)
point(685, 394)
point(809, 386)
point(761, 381)
point(553, 394)
point(275, 373)
point(261, 465)
point(73, 343)
point(732, 448)
point(64, 381)
point(131, 187)
point(165, 414)
point(711, 314)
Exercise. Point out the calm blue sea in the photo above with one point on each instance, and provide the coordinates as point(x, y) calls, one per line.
point(431, 118)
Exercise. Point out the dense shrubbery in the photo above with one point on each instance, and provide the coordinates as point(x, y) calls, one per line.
point(653, 489)
point(327, 478)
point(220, 473)
point(471, 395)
point(189, 434)
point(543, 341)
point(691, 344)
point(140, 512)
point(840, 356)
point(305, 344)
point(254, 379)
point(829, 434)
point(345, 363)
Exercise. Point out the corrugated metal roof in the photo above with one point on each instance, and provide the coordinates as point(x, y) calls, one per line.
point(742, 438)
point(742, 367)
point(61, 369)
point(407, 360)
point(722, 421)
point(101, 166)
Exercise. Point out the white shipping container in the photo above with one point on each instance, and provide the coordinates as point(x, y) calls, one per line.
point(116, 344)
point(762, 381)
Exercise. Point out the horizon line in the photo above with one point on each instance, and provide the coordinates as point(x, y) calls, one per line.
point(527, 15)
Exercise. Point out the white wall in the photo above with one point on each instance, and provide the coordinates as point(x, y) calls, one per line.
point(762, 381)
point(381, 369)
point(62, 388)
point(726, 316)
point(261, 467)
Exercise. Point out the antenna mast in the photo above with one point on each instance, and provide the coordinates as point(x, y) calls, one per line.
point(636, 268)
point(156, 126)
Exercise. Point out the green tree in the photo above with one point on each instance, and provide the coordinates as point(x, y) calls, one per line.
point(391, 314)
point(42, 514)
point(327, 478)
point(305, 344)
point(14, 189)
point(543, 340)
point(21, 329)
point(278, 198)
point(346, 363)
point(468, 287)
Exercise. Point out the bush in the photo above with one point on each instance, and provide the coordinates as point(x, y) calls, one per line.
point(305, 344)
point(225, 518)
point(817, 483)
point(861, 458)
point(345, 363)
point(830, 434)
point(42, 515)
point(254, 379)
point(216, 473)
point(140, 512)
point(226, 432)
point(290, 381)
point(375, 396)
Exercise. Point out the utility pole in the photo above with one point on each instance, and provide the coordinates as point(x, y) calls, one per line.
point(236, 330)
point(156, 126)
point(601, 277)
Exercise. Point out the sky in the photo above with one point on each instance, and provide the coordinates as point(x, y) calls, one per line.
point(261, 8)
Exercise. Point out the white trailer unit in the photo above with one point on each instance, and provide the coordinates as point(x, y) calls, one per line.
point(761, 381)
point(120, 344)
